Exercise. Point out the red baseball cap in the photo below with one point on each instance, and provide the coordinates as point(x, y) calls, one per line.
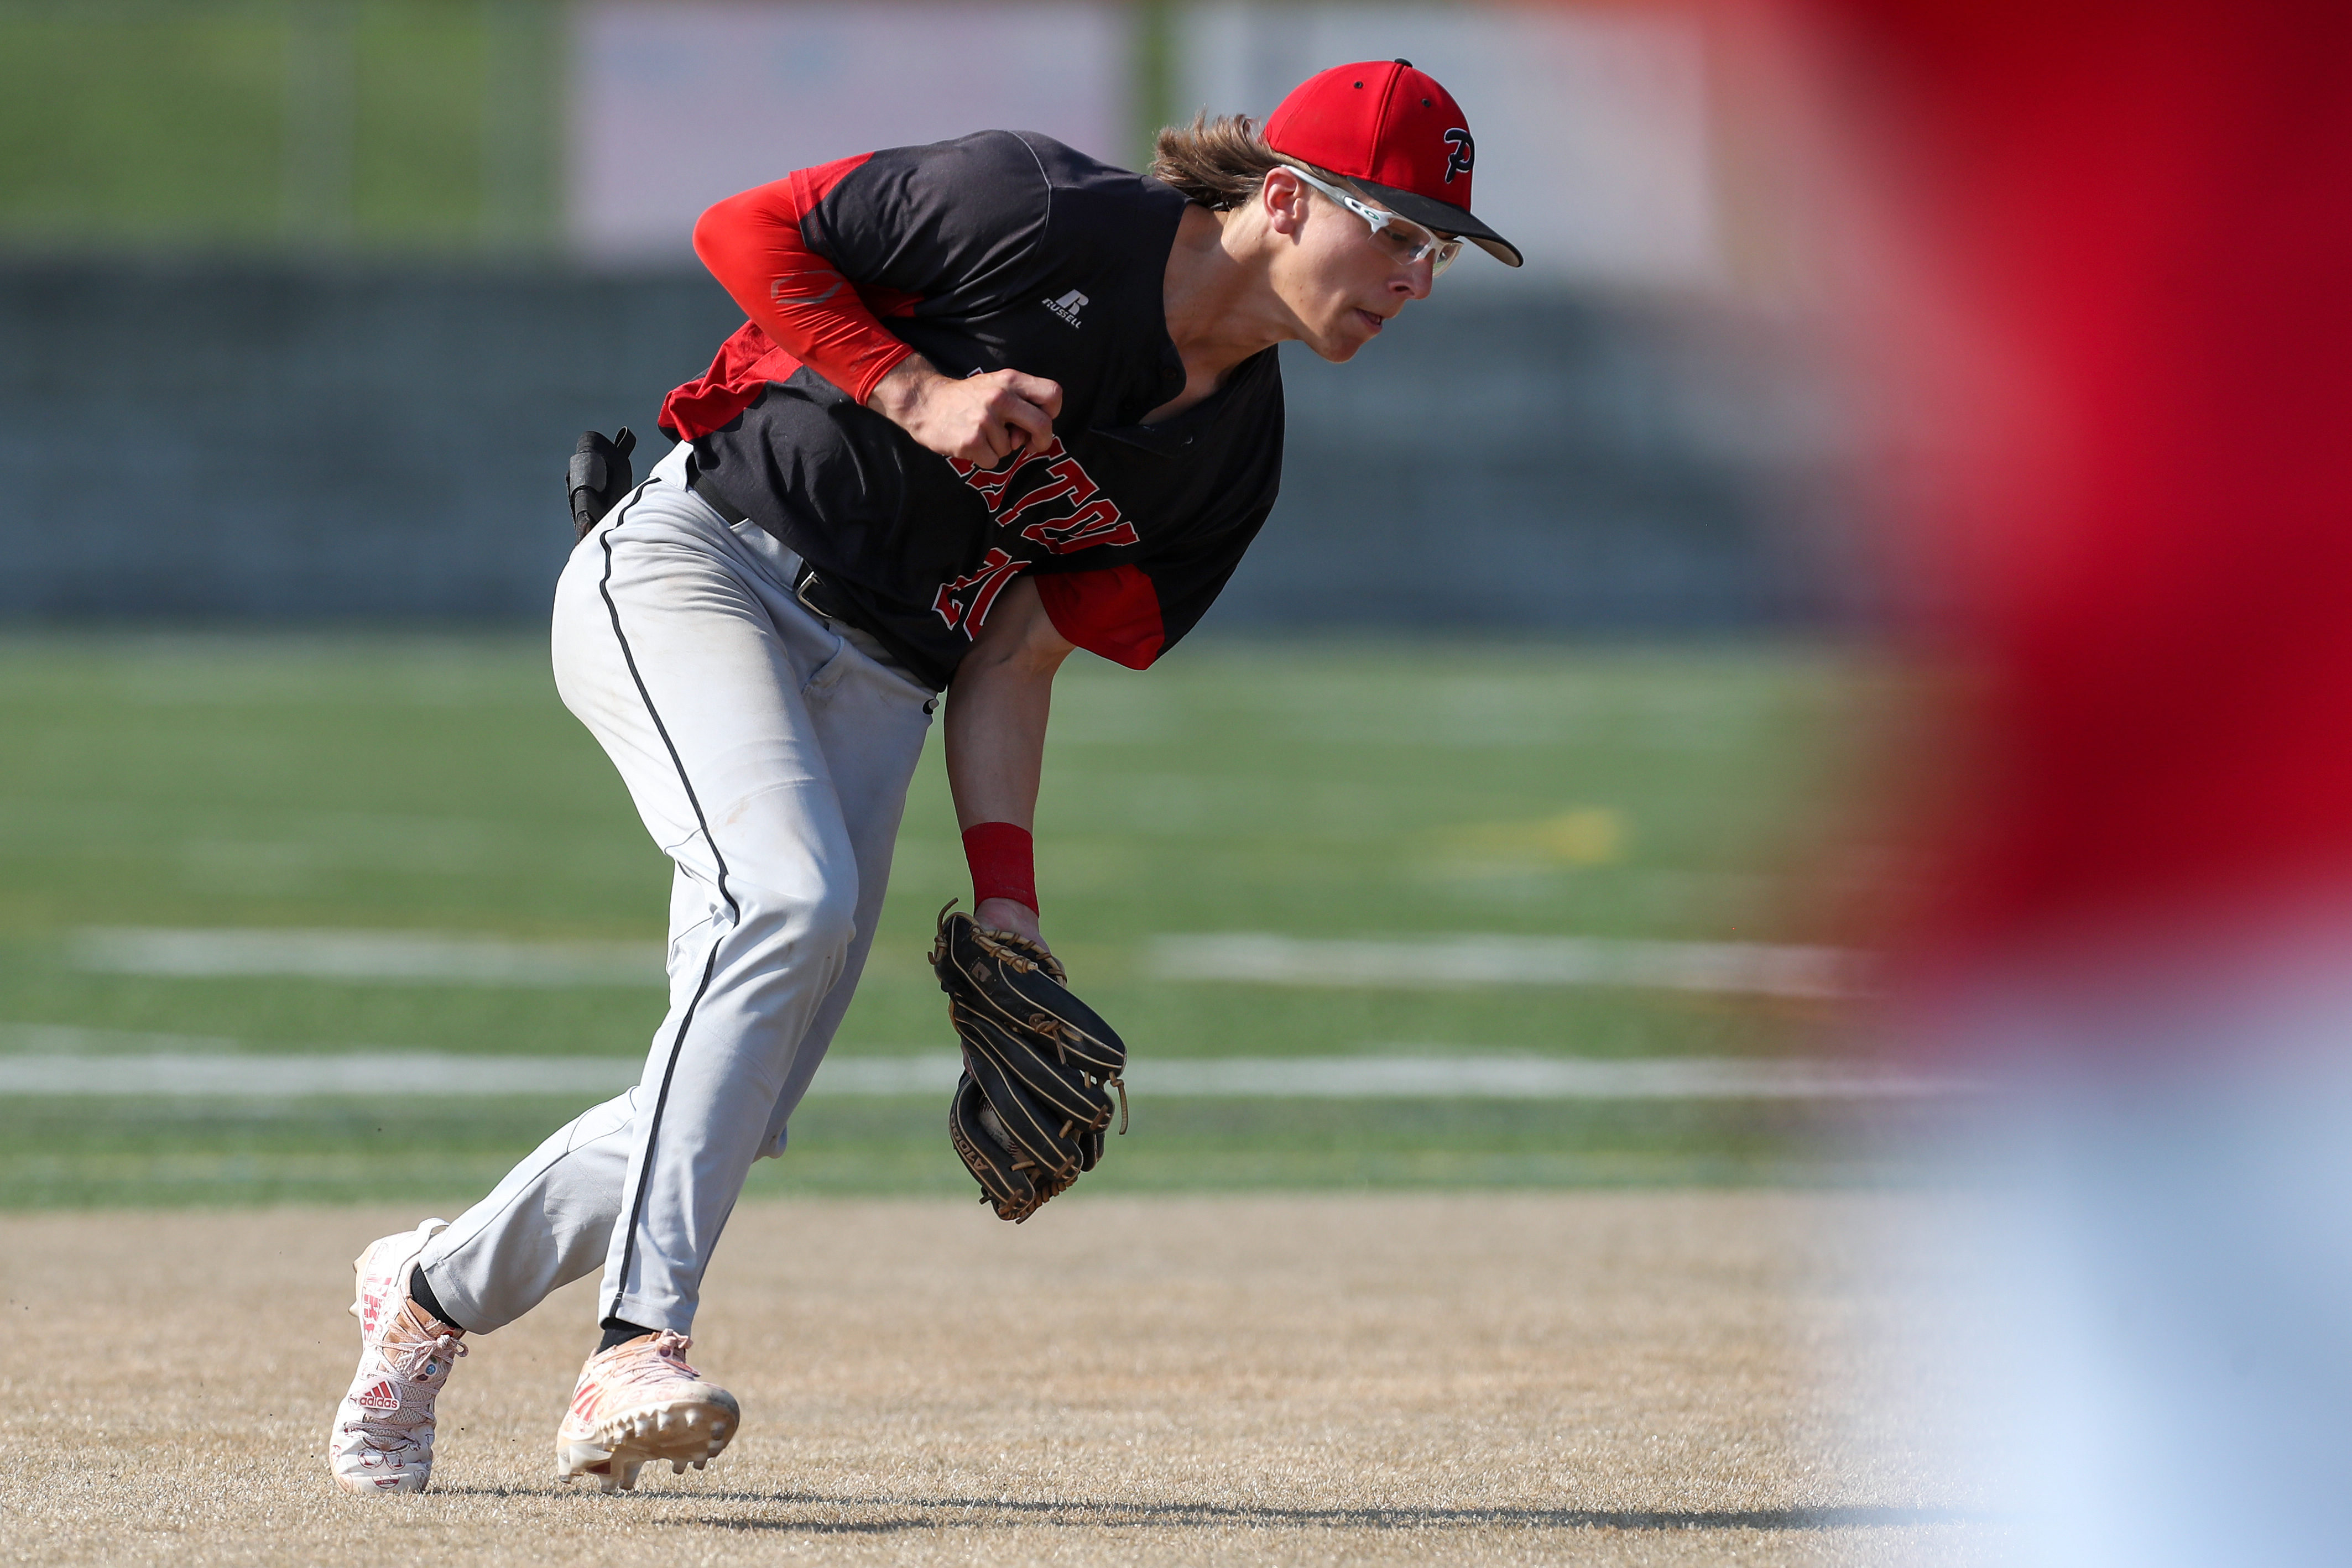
point(1393, 131)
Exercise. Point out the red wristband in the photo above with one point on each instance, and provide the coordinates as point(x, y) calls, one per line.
point(1004, 863)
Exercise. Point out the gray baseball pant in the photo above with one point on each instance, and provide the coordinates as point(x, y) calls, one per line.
point(768, 750)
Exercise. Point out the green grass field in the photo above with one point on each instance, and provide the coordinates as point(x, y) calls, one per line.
point(435, 784)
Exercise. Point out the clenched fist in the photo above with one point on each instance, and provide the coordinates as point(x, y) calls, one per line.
point(982, 419)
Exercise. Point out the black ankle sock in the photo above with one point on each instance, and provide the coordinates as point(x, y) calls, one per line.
point(619, 1330)
point(421, 1292)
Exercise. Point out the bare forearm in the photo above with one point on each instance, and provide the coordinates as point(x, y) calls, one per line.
point(996, 716)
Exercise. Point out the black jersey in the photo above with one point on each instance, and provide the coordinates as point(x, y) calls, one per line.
point(1014, 252)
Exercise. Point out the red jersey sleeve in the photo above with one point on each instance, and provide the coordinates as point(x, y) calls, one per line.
point(803, 311)
point(1114, 613)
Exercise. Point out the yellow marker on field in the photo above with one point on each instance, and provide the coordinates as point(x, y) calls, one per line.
point(1588, 835)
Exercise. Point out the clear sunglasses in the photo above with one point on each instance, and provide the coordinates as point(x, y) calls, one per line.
point(1401, 237)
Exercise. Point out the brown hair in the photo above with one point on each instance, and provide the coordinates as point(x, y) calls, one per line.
point(1219, 162)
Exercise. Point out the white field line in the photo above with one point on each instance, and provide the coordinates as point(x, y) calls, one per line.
point(1750, 968)
point(933, 1074)
point(71, 1040)
point(1529, 1078)
point(391, 1073)
point(1434, 962)
point(396, 957)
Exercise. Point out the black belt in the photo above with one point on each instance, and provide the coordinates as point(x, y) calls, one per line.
point(811, 590)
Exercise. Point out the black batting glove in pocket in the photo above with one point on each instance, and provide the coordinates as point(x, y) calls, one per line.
point(599, 476)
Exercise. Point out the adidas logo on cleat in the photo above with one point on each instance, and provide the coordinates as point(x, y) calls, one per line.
point(382, 1439)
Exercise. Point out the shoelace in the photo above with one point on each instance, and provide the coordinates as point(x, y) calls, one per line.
point(412, 1358)
point(395, 1430)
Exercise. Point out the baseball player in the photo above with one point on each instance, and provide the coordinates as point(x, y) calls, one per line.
point(995, 401)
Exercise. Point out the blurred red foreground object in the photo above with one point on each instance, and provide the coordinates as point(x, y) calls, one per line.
point(2152, 204)
point(2145, 216)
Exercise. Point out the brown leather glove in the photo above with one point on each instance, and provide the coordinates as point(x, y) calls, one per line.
point(1039, 1067)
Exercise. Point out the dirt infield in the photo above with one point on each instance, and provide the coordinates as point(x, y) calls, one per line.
point(1636, 1379)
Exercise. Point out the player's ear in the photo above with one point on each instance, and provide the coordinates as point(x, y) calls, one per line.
point(1283, 196)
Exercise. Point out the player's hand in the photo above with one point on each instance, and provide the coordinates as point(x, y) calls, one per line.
point(1009, 914)
point(982, 419)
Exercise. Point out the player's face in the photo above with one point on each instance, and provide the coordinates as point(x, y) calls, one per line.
point(1340, 281)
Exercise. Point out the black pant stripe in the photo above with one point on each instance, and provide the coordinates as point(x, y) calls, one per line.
point(709, 965)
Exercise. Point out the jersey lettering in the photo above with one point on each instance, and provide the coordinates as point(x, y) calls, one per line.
point(991, 482)
point(979, 589)
point(1065, 481)
point(1096, 523)
point(1092, 519)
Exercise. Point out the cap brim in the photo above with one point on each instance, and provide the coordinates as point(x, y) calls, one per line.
point(1444, 218)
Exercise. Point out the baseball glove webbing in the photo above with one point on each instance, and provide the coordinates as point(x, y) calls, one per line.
point(1039, 1066)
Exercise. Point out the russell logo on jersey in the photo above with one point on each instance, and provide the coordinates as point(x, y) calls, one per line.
point(1068, 307)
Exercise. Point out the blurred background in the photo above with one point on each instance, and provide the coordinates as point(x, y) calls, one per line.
point(1497, 828)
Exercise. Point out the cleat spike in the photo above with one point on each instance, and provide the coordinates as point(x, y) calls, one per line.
point(640, 1404)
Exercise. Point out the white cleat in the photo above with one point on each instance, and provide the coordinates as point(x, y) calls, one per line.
point(382, 1439)
point(639, 1402)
